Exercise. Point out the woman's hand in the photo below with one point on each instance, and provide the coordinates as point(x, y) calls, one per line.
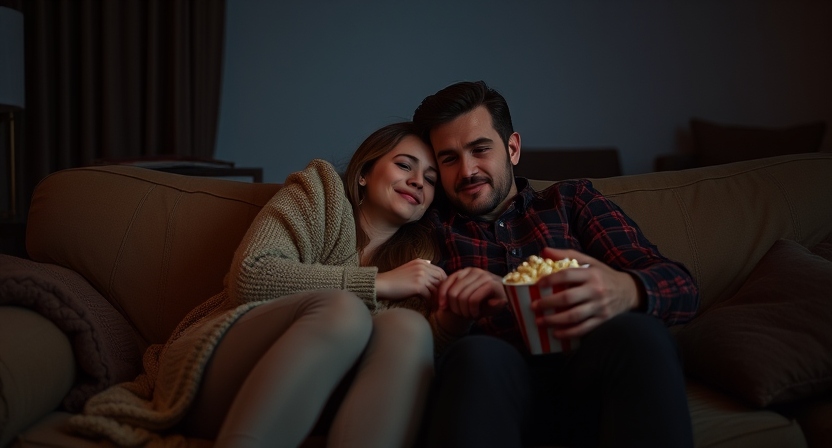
point(415, 278)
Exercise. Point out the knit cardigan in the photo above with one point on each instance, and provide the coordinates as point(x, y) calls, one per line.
point(302, 239)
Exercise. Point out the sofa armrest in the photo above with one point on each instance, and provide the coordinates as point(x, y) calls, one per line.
point(37, 369)
point(104, 344)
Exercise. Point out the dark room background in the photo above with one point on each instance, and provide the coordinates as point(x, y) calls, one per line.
point(311, 79)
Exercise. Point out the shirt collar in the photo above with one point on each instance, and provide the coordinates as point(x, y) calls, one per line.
point(525, 194)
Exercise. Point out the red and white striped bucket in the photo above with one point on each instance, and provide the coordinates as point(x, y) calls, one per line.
point(539, 340)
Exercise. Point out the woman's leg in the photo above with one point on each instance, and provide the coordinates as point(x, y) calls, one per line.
point(276, 367)
point(385, 402)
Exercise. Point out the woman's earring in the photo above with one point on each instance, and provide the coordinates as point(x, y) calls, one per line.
point(361, 181)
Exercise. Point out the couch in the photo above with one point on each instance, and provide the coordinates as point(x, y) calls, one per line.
point(117, 255)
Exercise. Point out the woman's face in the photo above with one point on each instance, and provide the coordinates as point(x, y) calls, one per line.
point(400, 185)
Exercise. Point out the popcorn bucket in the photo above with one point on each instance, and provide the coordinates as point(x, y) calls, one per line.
point(539, 340)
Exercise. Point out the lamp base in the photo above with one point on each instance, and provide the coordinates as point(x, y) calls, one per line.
point(11, 211)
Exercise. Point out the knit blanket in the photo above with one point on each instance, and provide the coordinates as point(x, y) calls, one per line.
point(138, 413)
point(104, 345)
point(120, 402)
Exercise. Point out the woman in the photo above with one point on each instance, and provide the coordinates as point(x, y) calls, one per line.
point(256, 364)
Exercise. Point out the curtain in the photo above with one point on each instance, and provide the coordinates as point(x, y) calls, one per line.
point(119, 80)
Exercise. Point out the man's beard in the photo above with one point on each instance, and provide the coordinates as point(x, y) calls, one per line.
point(499, 191)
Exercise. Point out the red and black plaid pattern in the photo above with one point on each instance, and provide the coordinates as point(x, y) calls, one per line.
point(573, 215)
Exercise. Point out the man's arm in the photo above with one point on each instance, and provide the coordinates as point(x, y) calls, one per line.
point(584, 298)
point(665, 288)
point(626, 272)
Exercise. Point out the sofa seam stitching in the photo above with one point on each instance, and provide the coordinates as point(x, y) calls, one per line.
point(690, 236)
point(162, 184)
point(124, 239)
point(167, 248)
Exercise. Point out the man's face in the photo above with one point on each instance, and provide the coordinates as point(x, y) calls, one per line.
point(475, 167)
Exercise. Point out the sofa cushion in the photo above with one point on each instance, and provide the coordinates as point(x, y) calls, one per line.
point(770, 342)
point(719, 421)
point(51, 432)
point(154, 244)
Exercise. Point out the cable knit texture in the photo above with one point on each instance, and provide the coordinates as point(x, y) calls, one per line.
point(303, 239)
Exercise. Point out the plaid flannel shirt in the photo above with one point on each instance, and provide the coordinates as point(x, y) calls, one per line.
point(568, 214)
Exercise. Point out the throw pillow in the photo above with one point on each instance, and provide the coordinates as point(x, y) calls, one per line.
point(717, 143)
point(771, 342)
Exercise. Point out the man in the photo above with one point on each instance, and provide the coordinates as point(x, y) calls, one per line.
point(624, 385)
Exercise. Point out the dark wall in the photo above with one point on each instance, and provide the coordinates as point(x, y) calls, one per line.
point(312, 79)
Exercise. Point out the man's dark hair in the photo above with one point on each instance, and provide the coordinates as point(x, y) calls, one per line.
point(457, 99)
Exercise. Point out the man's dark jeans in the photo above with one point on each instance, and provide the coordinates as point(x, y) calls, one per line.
point(624, 386)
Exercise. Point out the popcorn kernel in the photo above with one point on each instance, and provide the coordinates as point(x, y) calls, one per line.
point(535, 267)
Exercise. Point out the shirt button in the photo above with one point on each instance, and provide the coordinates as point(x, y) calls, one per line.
point(514, 252)
point(501, 224)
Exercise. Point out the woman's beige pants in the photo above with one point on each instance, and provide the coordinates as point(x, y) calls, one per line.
point(277, 366)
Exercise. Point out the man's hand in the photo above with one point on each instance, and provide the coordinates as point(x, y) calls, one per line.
point(451, 323)
point(472, 293)
point(584, 297)
point(415, 278)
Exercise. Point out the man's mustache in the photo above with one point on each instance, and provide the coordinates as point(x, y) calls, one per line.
point(466, 181)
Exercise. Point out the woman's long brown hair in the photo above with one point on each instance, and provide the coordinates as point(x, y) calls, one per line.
point(412, 240)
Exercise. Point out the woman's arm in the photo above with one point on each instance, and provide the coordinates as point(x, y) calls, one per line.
point(302, 239)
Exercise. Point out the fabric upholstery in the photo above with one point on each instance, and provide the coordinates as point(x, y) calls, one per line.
point(719, 421)
point(770, 342)
point(50, 432)
point(709, 218)
point(139, 245)
point(154, 244)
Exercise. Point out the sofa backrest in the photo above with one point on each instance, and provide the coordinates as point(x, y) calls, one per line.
point(157, 244)
point(720, 220)
point(154, 244)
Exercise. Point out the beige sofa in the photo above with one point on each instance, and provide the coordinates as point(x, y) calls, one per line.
point(120, 254)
